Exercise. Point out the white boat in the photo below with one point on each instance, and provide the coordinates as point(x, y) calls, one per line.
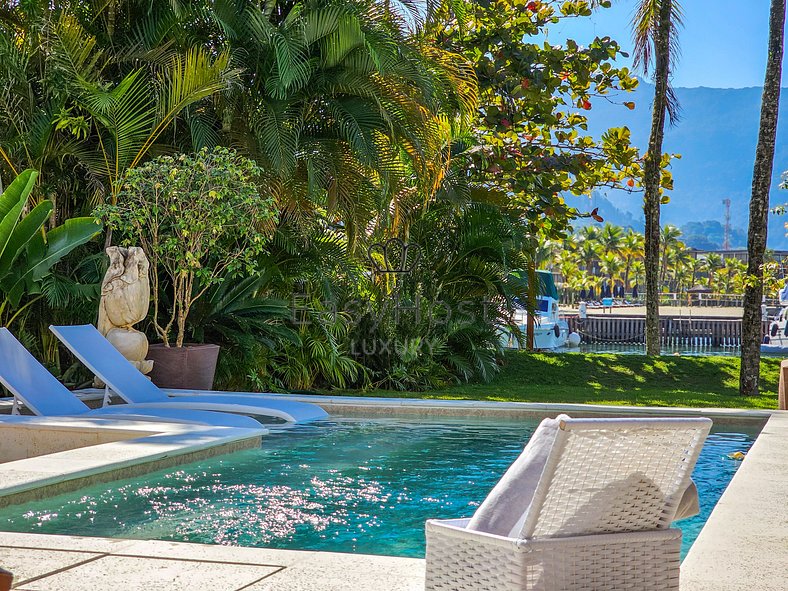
point(550, 331)
point(776, 339)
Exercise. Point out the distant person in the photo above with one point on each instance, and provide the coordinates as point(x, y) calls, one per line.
point(783, 295)
point(582, 311)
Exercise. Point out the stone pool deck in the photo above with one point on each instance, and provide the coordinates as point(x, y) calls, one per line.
point(95, 450)
point(744, 545)
point(66, 563)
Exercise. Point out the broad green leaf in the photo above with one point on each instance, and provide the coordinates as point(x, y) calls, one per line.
point(12, 201)
point(41, 254)
point(17, 191)
point(8, 223)
point(61, 241)
point(25, 230)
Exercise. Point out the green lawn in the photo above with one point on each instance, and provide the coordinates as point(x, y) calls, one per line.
point(614, 379)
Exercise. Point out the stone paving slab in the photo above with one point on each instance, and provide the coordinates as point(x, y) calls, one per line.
point(30, 564)
point(461, 408)
point(156, 445)
point(65, 563)
point(112, 573)
point(209, 552)
point(327, 571)
point(66, 543)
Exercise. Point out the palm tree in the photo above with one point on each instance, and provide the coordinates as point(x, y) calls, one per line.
point(656, 44)
point(669, 242)
point(610, 238)
point(730, 270)
point(588, 252)
point(342, 102)
point(712, 263)
point(575, 283)
point(676, 264)
point(695, 265)
point(638, 272)
point(631, 250)
point(611, 265)
point(571, 275)
point(759, 205)
point(86, 113)
point(594, 282)
point(682, 275)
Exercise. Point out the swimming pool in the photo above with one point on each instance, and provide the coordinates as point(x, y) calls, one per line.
point(345, 485)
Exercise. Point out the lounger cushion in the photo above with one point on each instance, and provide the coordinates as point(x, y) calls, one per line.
point(507, 502)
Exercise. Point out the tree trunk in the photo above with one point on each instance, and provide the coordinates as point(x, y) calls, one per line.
point(652, 174)
point(532, 293)
point(626, 277)
point(759, 205)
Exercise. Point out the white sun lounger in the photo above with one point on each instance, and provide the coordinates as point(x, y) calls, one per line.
point(586, 507)
point(36, 388)
point(106, 362)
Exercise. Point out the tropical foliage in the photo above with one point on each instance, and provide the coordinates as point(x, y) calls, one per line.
point(27, 252)
point(608, 256)
point(201, 220)
point(451, 127)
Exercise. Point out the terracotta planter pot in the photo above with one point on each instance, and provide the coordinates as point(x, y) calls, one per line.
point(189, 367)
point(6, 579)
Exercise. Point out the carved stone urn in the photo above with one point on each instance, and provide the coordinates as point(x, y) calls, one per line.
point(125, 298)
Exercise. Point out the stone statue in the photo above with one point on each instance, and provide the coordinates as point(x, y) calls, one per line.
point(125, 298)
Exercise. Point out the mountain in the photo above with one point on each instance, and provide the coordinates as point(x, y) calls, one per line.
point(609, 213)
point(710, 235)
point(716, 137)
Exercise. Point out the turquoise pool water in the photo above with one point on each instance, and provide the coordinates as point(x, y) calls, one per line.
point(346, 485)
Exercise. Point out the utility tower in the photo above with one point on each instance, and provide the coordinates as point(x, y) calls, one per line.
point(726, 242)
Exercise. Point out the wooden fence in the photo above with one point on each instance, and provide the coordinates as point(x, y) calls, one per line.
point(675, 331)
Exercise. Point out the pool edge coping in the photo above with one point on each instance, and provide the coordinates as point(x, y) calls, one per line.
point(495, 407)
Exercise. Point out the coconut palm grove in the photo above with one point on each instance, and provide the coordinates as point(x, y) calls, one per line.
point(345, 195)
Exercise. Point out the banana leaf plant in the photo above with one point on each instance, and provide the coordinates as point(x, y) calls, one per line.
point(27, 251)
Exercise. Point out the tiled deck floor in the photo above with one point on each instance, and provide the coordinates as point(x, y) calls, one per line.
point(65, 563)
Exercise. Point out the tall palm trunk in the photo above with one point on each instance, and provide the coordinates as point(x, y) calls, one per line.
point(652, 174)
point(759, 205)
point(626, 274)
point(532, 293)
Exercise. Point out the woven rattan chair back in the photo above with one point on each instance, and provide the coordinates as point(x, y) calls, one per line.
point(614, 475)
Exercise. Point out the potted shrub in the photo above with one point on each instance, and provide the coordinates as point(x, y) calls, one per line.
point(201, 219)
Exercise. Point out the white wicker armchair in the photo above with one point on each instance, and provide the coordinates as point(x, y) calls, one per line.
point(599, 518)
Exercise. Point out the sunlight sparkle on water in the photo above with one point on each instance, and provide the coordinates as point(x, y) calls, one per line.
point(349, 485)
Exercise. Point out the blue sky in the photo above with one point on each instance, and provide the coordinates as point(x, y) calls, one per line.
point(723, 41)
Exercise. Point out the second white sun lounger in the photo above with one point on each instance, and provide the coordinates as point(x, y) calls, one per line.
point(106, 362)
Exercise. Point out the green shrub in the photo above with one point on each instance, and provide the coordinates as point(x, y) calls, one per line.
point(201, 219)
